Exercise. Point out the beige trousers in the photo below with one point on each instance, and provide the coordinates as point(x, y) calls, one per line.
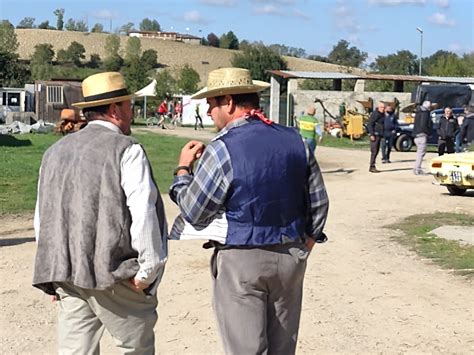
point(84, 314)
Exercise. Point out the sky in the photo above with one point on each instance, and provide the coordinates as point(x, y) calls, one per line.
point(378, 27)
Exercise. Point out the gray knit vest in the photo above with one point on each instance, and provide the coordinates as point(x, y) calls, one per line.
point(85, 223)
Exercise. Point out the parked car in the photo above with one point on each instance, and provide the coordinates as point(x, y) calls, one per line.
point(455, 171)
point(404, 139)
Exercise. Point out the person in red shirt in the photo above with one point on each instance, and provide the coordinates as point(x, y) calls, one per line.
point(162, 111)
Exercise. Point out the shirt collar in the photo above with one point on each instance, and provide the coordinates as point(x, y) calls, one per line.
point(235, 123)
point(106, 124)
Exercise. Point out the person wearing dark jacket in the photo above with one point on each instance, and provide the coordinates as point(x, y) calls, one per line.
point(421, 131)
point(375, 128)
point(390, 126)
point(467, 128)
point(447, 129)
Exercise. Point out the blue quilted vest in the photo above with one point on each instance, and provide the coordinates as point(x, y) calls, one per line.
point(267, 200)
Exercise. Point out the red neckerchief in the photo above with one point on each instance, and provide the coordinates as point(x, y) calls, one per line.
point(259, 115)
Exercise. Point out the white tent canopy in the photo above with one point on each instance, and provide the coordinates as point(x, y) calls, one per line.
point(148, 90)
point(145, 92)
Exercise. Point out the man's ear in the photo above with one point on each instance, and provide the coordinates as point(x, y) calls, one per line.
point(230, 104)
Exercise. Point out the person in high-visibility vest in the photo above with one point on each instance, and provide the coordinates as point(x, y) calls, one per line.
point(309, 127)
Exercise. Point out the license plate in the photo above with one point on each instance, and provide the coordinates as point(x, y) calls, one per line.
point(456, 176)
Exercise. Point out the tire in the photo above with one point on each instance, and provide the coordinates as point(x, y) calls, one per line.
point(456, 190)
point(404, 143)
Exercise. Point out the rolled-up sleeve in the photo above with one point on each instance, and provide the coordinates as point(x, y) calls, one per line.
point(318, 199)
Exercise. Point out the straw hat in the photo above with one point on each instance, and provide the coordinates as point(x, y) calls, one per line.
point(230, 81)
point(102, 89)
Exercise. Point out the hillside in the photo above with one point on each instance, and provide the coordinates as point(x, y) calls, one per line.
point(172, 54)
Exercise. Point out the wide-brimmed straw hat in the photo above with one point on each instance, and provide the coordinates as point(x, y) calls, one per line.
point(230, 81)
point(102, 89)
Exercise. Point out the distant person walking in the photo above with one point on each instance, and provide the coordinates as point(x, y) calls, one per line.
point(309, 128)
point(421, 130)
point(390, 126)
point(198, 118)
point(162, 112)
point(467, 129)
point(375, 128)
point(447, 129)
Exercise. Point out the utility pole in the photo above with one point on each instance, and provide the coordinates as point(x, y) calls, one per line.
point(421, 48)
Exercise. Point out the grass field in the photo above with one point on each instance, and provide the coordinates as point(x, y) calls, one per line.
point(446, 253)
point(20, 159)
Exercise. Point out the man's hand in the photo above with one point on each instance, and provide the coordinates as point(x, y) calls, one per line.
point(138, 285)
point(310, 243)
point(372, 138)
point(190, 153)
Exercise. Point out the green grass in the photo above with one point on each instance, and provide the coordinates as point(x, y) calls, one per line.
point(446, 253)
point(20, 159)
point(345, 142)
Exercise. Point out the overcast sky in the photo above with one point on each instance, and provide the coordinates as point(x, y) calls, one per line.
point(378, 27)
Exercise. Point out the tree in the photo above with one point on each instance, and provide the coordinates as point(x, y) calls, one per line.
point(133, 49)
point(258, 60)
point(149, 59)
point(95, 61)
point(70, 25)
point(98, 28)
point(113, 61)
point(403, 62)
point(135, 75)
point(343, 55)
point(318, 58)
point(188, 80)
point(8, 39)
point(127, 28)
point(81, 26)
point(149, 25)
point(165, 84)
point(229, 41)
point(45, 26)
point(27, 22)
point(59, 13)
point(43, 53)
point(444, 63)
point(12, 72)
point(62, 56)
point(213, 40)
point(76, 52)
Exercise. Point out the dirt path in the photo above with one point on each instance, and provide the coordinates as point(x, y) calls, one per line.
point(364, 293)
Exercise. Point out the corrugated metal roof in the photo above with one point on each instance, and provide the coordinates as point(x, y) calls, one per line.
point(288, 74)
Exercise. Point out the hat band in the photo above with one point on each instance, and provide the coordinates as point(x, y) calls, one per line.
point(107, 95)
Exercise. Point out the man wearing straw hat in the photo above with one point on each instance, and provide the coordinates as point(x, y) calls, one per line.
point(100, 227)
point(262, 180)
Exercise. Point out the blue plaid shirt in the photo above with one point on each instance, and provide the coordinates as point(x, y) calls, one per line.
point(201, 196)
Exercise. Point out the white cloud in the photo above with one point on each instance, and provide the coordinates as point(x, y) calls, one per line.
point(442, 3)
point(345, 18)
point(397, 2)
point(276, 2)
point(227, 3)
point(301, 14)
point(105, 14)
point(268, 10)
point(441, 20)
point(194, 16)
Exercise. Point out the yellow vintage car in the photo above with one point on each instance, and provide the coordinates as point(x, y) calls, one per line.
point(455, 171)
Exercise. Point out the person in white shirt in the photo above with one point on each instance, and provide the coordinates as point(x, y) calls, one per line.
point(100, 227)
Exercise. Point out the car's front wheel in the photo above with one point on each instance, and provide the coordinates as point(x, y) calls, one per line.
point(456, 190)
point(404, 143)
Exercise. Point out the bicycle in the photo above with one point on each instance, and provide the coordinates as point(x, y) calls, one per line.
point(170, 122)
point(152, 121)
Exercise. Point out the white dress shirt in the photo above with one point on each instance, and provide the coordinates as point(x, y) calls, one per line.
point(142, 194)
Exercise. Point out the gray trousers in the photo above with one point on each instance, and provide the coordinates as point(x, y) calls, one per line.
point(420, 142)
point(257, 298)
point(83, 314)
